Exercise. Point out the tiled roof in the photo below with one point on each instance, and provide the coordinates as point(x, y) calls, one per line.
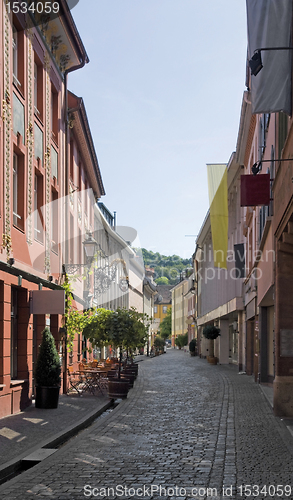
point(164, 292)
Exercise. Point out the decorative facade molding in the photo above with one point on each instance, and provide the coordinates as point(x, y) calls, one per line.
point(7, 125)
point(30, 137)
point(47, 64)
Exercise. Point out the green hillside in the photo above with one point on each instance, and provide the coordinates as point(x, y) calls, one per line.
point(167, 268)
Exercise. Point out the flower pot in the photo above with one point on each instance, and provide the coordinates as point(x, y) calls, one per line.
point(128, 376)
point(212, 360)
point(131, 372)
point(118, 388)
point(132, 367)
point(47, 397)
point(192, 353)
point(112, 374)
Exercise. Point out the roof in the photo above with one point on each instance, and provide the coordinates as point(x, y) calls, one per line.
point(82, 130)
point(164, 295)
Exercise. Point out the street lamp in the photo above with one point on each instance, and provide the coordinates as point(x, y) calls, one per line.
point(90, 247)
point(255, 63)
point(104, 275)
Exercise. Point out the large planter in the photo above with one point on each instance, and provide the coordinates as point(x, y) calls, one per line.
point(47, 397)
point(132, 367)
point(118, 388)
point(212, 360)
point(129, 371)
point(112, 374)
point(128, 376)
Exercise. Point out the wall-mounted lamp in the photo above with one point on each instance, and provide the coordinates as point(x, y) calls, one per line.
point(50, 278)
point(11, 261)
point(256, 167)
point(255, 62)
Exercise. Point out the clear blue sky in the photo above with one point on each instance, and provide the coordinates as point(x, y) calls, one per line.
point(163, 92)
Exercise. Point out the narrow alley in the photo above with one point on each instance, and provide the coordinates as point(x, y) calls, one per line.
point(186, 430)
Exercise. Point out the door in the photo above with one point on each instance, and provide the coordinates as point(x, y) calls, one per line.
point(14, 334)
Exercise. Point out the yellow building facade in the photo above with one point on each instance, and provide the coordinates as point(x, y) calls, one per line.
point(179, 309)
point(162, 303)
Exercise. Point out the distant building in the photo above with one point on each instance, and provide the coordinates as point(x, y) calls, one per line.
point(179, 309)
point(149, 293)
point(163, 302)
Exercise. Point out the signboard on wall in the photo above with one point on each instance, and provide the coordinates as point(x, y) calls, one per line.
point(47, 302)
point(255, 190)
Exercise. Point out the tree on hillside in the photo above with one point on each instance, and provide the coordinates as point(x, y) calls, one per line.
point(170, 267)
point(162, 281)
point(166, 325)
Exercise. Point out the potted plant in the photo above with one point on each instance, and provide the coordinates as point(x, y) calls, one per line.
point(192, 347)
point(47, 373)
point(211, 332)
point(122, 329)
point(181, 340)
point(159, 345)
point(121, 336)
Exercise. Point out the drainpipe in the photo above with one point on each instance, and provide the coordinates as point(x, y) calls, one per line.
point(66, 190)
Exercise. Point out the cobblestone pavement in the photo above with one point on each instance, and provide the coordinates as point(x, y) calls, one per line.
point(34, 427)
point(187, 430)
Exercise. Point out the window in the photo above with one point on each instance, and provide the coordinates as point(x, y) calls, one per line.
point(79, 174)
point(18, 192)
point(54, 114)
point(86, 199)
point(15, 188)
point(155, 309)
point(38, 202)
point(71, 159)
point(165, 309)
point(18, 55)
point(39, 143)
point(283, 131)
point(54, 163)
point(38, 87)
point(71, 243)
point(79, 247)
point(15, 54)
point(54, 221)
point(18, 116)
point(14, 334)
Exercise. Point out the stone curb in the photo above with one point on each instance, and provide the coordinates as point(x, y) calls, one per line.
point(14, 465)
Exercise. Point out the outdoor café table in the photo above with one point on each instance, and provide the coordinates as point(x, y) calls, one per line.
point(94, 380)
point(102, 380)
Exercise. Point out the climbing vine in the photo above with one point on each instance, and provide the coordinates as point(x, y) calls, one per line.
point(74, 321)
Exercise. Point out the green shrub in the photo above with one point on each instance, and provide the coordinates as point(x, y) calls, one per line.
point(192, 345)
point(48, 369)
point(181, 340)
point(159, 343)
point(211, 332)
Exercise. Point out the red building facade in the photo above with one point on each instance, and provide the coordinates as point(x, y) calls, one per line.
point(41, 166)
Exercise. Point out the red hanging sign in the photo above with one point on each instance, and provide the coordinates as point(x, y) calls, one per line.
point(255, 190)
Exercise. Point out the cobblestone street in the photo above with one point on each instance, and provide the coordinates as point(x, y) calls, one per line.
point(186, 430)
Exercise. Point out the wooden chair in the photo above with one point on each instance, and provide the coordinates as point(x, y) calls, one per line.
point(75, 382)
